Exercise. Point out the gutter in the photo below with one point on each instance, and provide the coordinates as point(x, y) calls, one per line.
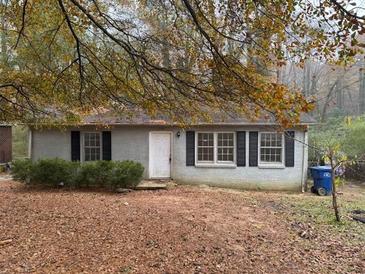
point(106, 124)
point(30, 141)
point(304, 161)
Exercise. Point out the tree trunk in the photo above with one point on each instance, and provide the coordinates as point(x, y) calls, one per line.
point(362, 91)
point(327, 101)
point(340, 94)
point(306, 78)
point(3, 47)
point(334, 193)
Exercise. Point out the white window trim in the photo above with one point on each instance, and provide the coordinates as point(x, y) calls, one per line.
point(215, 162)
point(262, 164)
point(83, 145)
point(196, 151)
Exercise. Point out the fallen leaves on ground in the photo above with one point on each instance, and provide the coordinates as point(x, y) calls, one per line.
point(181, 230)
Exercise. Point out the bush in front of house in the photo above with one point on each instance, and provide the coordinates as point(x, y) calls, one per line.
point(94, 174)
point(21, 169)
point(126, 174)
point(55, 172)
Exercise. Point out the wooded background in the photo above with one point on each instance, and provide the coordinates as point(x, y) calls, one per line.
point(336, 90)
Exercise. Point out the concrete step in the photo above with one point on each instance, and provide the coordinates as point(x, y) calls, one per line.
point(153, 184)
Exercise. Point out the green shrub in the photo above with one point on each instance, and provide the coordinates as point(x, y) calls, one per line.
point(126, 174)
point(103, 172)
point(53, 172)
point(93, 174)
point(85, 175)
point(74, 169)
point(134, 173)
point(21, 170)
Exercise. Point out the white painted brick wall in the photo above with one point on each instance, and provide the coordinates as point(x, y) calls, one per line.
point(131, 143)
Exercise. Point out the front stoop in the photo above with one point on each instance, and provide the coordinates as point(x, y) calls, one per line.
point(154, 184)
point(5, 177)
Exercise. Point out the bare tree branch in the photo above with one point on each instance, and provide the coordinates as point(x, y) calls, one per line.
point(78, 47)
point(23, 23)
point(347, 12)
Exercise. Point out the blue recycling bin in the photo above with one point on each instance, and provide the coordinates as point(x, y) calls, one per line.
point(322, 178)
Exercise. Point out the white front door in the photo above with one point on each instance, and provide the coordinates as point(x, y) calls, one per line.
point(160, 154)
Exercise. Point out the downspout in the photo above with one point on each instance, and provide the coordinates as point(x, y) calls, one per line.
point(30, 145)
point(304, 161)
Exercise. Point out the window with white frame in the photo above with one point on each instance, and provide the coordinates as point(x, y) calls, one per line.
point(92, 146)
point(206, 147)
point(215, 147)
point(271, 148)
point(225, 147)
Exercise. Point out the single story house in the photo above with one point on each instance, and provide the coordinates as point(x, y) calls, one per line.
point(234, 152)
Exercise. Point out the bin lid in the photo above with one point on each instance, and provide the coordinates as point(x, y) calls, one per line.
point(321, 168)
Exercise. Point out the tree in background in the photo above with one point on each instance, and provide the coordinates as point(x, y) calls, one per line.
point(20, 142)
point(335, 88)
point(68, 58)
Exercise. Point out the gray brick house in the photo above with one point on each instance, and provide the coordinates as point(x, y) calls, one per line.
point(233, 152)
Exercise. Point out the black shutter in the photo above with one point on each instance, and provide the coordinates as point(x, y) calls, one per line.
point(253, 148)
point(75, 145)
point(107, 145)
point(190, 148)
point(289, 148)
point(241, 148)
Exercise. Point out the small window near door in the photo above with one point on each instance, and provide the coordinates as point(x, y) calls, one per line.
point(92, 146)
point(215, 148)
point(205, 147)
point(271, 148)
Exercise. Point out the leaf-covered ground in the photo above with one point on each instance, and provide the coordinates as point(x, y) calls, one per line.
point(181, 230)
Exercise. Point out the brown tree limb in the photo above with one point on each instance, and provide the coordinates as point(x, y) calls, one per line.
point(23, 23)
point(346, 12)
point(77, 40)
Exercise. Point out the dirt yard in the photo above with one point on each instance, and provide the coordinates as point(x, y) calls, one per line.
point(181, 230)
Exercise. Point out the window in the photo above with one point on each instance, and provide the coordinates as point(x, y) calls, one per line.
point(215, 147)
point(271, 148)
point(225, 147)
point(92, 146)
point(205, 147)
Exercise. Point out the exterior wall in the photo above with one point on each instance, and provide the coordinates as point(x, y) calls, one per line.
point(50, 143)
point(287, 178)
point(128, 143)
point(5, 144)
point(132, 143)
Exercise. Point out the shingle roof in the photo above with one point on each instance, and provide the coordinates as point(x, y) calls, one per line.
point(140, 118)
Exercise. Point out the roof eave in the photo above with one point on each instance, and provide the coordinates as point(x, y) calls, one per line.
point(199, 124)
